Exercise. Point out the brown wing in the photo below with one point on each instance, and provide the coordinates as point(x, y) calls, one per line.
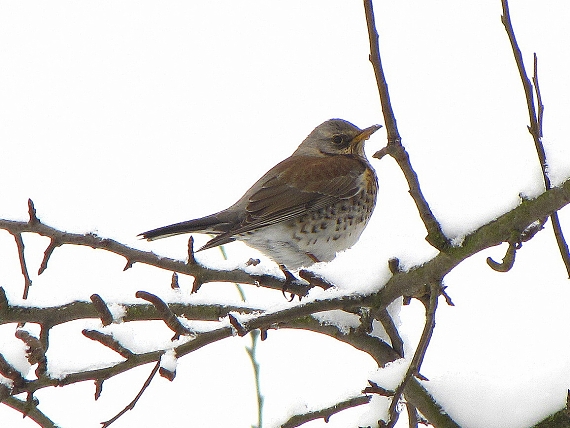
point(294, 186)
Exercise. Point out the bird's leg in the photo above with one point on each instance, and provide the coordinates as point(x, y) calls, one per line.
point(289, 278)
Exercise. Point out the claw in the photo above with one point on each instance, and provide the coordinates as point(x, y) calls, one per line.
point(289, 278)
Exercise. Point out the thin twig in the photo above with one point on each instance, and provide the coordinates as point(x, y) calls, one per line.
point(24, 268)
point(395, 148)
point(558, 234)
point(53, 244)
point(33, 218)
point(132, 404)
point(510, 255)
point(535, 127)
point(252, 353)
point(240, 329)
point(325, 414)
point(419, 354)
point(169, 317)
point(174, 281)
point(561, 241)
point(109, 341)
point(389, 117)
point(388, 323)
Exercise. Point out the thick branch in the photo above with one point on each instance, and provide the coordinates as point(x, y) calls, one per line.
point(55, 315)
point(31, 411)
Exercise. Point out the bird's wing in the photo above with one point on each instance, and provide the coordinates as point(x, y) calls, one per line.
point(294, 186)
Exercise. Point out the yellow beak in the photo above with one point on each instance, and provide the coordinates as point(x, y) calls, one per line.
point(365, 134)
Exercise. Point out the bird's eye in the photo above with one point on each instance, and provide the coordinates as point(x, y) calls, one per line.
point(340, 140)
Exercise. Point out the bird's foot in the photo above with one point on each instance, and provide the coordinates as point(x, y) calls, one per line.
point(289, 278)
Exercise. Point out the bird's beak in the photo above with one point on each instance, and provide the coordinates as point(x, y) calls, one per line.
point(366, 133)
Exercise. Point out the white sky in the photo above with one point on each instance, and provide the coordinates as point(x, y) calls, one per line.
point(118, 117)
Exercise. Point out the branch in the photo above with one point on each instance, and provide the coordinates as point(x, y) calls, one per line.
point(200, 272)
point(169, 318)
point(109, 341)
point(29, 410)
point(382, 354)
point(56, 315)
point(132, 404)
point(395, 148)
point(486, 236)
point(27, 280)
point(400, 284)
point(535, 127)
point(419, 354)
point(101, 307)
point(325, 414)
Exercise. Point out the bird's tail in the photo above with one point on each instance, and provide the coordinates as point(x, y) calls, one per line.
point(208, 224)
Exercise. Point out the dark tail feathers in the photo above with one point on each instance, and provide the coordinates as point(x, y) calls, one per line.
point(208, 224)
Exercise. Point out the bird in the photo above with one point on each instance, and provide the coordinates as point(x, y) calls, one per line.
point(305, 209)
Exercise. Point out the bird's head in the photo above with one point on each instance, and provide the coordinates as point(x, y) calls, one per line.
point(336, 137)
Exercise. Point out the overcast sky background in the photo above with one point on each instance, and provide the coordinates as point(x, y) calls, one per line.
point(118, 117)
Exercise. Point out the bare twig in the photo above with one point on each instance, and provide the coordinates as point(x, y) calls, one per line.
point(252, 354)
point(27, 280)
point(132, 404)
point(36, 353)
point(374, 388)
point(560, 240)
point(395, 148)
point(389, 117)
point(109, 341)
point(191, 258)
point(53, 244)
point(104, 313)
point(174, 281)
point(32, 213)
point(509, 259)
point(251, 350)
point(419, 354)
point(169, 318)
point(388, 323)
point(240, 329)
point(535, 127)
point(325, 414)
